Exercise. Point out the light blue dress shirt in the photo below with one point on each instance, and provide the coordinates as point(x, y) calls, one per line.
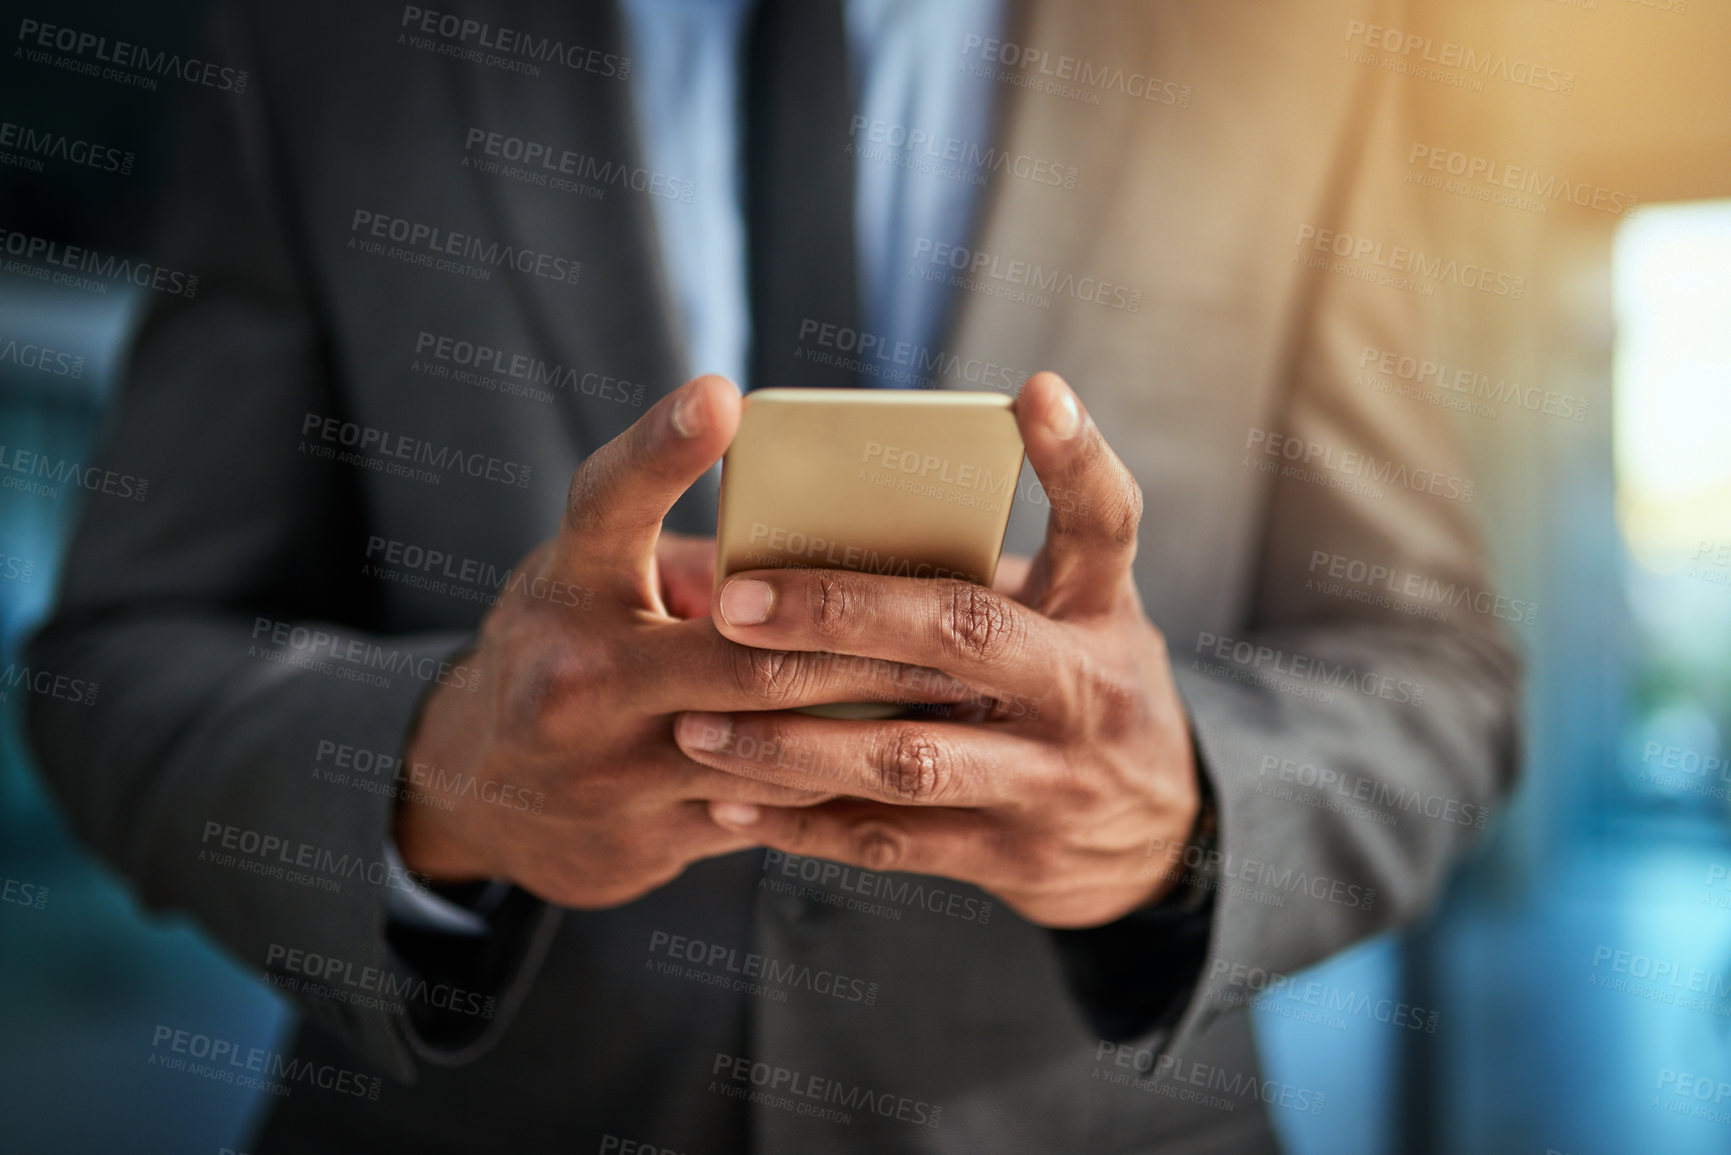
point(906, 63)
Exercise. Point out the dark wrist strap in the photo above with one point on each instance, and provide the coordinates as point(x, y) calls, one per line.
point(1200, 860)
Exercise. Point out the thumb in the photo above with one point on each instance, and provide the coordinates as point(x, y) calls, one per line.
point(1096, 505)
point(621, 493)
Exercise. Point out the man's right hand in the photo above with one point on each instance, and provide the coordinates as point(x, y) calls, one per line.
point(576, 703)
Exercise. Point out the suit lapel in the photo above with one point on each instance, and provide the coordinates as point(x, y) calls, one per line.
point(618, 321)
point(1047, 225)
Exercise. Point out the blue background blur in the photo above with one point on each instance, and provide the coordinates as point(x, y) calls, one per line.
point(1604, 850)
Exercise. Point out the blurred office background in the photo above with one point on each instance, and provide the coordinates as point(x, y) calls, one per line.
point(1618, 526)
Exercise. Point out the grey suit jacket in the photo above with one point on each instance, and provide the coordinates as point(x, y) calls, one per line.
point(338, 479)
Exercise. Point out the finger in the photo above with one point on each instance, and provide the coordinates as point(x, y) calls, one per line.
point(693, 833)
point(694, 782)
point(690, 666)
point(982, 638)
point(621, 492)
point(685, 573)
point(1012, 574)
point(959, 844)
point(908, 763)
point(1096, 504)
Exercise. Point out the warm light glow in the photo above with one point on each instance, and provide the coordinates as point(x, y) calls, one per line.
point(1672, 270)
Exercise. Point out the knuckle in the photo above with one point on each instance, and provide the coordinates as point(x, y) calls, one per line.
point(878, 846)
point(977, 625)
point(799, 829)
point(769, 676)
point(545, 686)
point(593, 793)
point(830, 600)
point(914, 767)
point(583, 504)
point(1124, 516)
point(1074, 791)
point(1112, 699)
point(1026, 862)
point(761, 749)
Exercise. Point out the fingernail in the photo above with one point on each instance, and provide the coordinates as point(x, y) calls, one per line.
point(746, 602)
point(705, 731)
point(687, 420)
point(733, 813)
point(1065, 418)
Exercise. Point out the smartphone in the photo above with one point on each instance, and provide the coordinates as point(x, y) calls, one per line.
point(899, 482)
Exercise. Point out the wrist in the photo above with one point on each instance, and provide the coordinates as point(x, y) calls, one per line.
point(1196, 873)
point(428, 829)
point(430, 844)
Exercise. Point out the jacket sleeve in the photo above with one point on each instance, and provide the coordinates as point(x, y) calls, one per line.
point(222, 620)
point(1358, 725)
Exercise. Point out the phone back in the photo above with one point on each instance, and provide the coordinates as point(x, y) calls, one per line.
point(904, 483)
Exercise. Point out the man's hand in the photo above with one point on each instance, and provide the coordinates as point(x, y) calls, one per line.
point(1082, 759)
point(685, 573)
point(601, 636)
